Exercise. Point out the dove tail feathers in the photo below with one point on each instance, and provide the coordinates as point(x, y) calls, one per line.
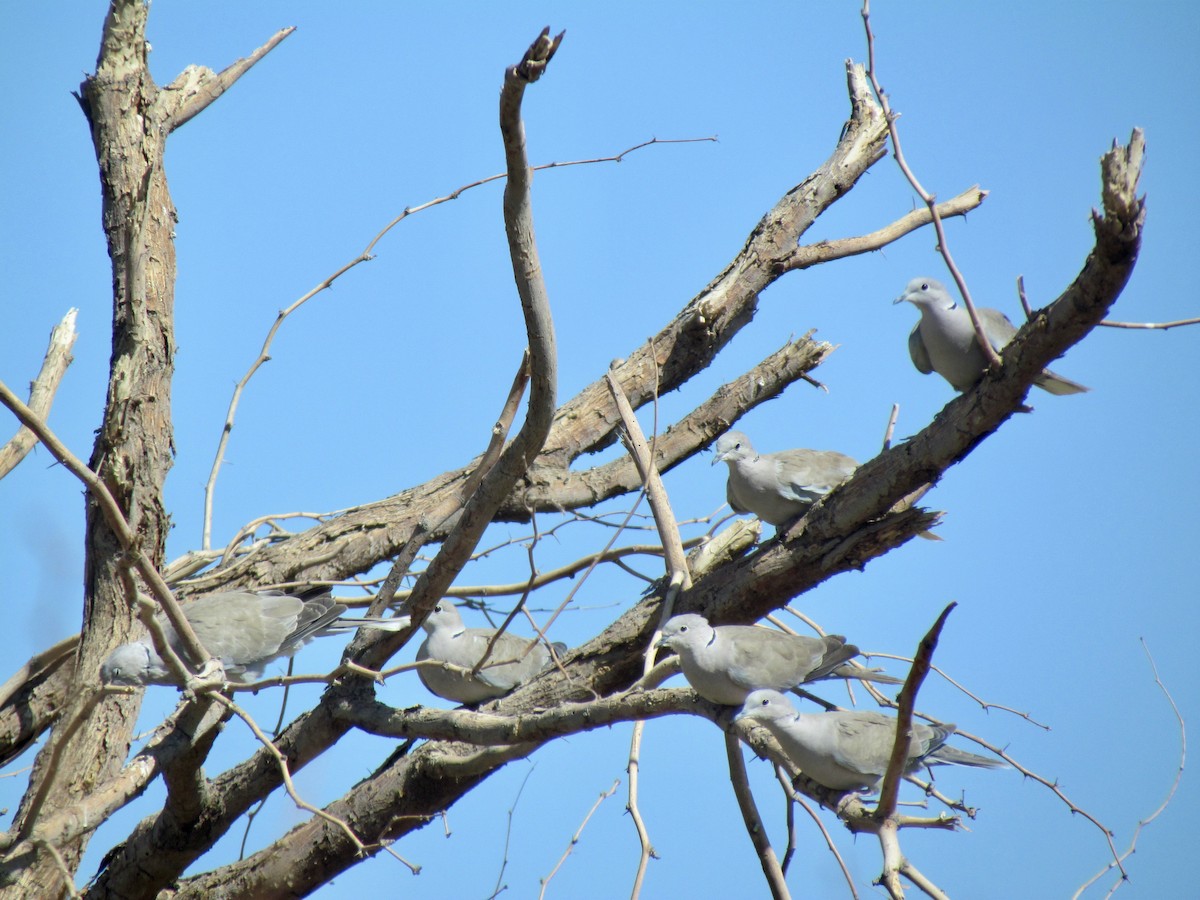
point(1056, 384)
point(955, 757)
point(864, 674)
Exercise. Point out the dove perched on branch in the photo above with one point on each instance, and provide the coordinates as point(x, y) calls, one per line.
point(513, 661)
point(245, 630)
point(944, 340)
point(724, 663)
point(778, 487)
point(850, 750)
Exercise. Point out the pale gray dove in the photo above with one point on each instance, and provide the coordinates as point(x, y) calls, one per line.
point(944, 341)
point(511, 663)
point(778, 487)
point(849, 751)
point(724, 663)
point(245, 630)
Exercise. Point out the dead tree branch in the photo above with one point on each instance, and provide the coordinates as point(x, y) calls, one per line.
point(42, 390)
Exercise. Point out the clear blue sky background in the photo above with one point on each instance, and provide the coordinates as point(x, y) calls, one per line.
point(1070, 534)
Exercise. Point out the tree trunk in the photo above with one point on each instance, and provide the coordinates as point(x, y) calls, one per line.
point(134, 446)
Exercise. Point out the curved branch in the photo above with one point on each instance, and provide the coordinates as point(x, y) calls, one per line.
point(843, 532)
point(515, 459)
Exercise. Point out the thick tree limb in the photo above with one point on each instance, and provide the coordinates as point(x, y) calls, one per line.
point(360, 538)
point(175, 738)
point(129, 119)
point(685, 346)
point(849, 528)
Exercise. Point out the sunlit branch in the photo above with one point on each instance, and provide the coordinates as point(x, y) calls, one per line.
point(545, 882)
point(796, 799)
point(42, 391)
point(753, 821)
point(930, 200)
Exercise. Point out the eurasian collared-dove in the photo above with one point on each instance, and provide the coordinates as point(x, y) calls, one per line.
point(778, 487)
point(726, 662)
point(944, 341)
point(849, 751)
point(243, 629)
point(511, 663)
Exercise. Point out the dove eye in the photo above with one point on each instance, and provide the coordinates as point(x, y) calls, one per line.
point(924, 285)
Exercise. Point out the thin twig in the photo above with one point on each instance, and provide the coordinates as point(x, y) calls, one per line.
point(570, 570)
point(1162, 326)
point(930, 200)
point(250, 816)
point(898, 761)
point(508, 834)
point(120, 527)
point(796, 798)
point(327, 283)
point(604, 795)
point(578, 583)
point(677, 571)
point(810, 255)
point(913, 874)
point(1024, 299)
point(789, 816)
point(386, 847)
point(1166, 800)
point(643, 457)
point(985, 705)
point(286, 775)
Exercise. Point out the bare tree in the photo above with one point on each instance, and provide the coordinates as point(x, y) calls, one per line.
point(82, 777)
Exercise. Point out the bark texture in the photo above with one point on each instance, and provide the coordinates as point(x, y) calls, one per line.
point(79, 778)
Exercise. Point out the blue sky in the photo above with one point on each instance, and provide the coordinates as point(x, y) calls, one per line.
point(1070, 534)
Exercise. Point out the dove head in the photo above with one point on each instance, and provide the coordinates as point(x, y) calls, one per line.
point(129, 664)
point(732, 446)
point(443, 615)
point(686, 632)
point(926, 292)
point(767, 705)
